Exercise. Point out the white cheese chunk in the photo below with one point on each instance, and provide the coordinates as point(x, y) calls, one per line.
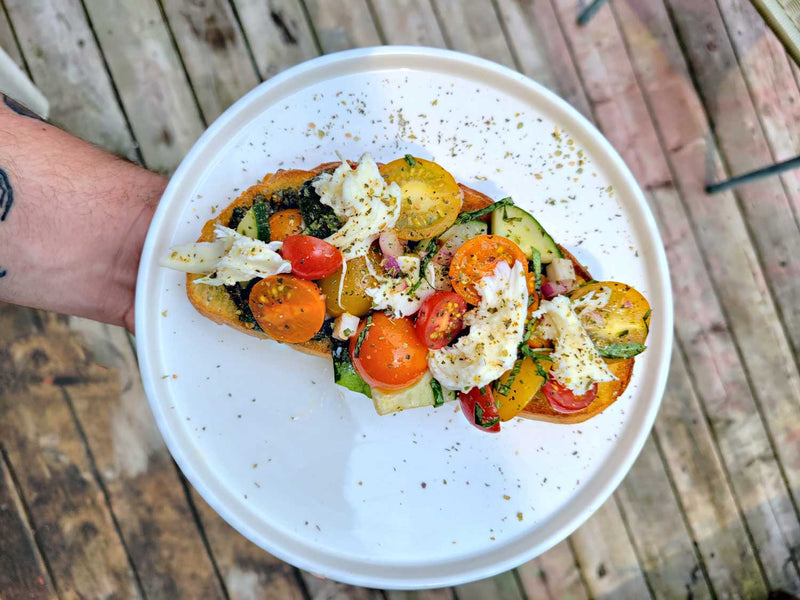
point(361, 198)
point(199, 257)
point(392, 294)
point(231, 256)
point(344, 327)
point(576, 363)
point(496, 325)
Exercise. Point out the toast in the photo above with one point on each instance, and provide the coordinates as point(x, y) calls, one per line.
point(216, 304)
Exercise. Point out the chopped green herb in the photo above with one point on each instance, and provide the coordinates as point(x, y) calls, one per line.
point(344, 373)
point(623, 333)
point(537, 267)
point(412, 162)
point(505, 388)
point(430, 250)
point(647, 316)
point(479, 418)
point(621, 350)
point(320, 220)
point(477, 214)
point(436, 388)
point(361, 336)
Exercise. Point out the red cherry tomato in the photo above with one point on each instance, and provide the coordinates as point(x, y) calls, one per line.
point(440, 318)
point(479, 408)
point(563, 400)
point(311, 258)
point(389, 355)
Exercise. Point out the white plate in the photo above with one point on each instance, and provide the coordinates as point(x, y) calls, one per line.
point(311, 473)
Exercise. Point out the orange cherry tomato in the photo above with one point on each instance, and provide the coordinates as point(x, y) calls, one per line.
point(288, 308)
point(477, 258)
point(285, 223)
point(389, 355)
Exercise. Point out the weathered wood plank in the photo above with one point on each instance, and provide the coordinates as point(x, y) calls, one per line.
point(66, 65)
point(555, 575)
point(214, 52)
point(767, 211)
point(658, 530)
point(473, 27)
point(139, 476)
point(151, 81)
point(278, 33)
point(533, 32)
point(22, 570)
point(725, 238)
point(612, 85)
point(72, 522)
point(499, 587)
point(249, 572)
point(410, 22)
point(683, 435)
point(342, 24)
point(606, 556)
point(325, 589)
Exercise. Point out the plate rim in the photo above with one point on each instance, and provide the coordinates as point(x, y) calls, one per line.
point(148, 265)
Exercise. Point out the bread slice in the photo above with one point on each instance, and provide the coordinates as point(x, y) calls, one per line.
point(214, 302)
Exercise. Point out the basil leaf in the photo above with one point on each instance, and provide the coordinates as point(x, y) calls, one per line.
point(410, 160)
point(436, 388)
point(621, 350)
point(362, 335)
point(477, 214)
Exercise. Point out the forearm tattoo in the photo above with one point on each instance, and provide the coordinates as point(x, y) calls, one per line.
point(6, 201)
point(20, 108)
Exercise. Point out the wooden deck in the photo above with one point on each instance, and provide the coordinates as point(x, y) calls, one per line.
point(91, 504)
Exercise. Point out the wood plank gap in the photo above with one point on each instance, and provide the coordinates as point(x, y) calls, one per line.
point(712, 282)
point(29, 518)
point(102, 486)
point(187, 492)
point(114, 89)
point(518, 579)
point(298, 576)
point(376, 22)
point(310, 22)
point(682, 509)
point(723, 466)
point(174, 43)
point(579, 567)
point(632, 541)
point(438, 16)
point(511, 50)
point(16, 39)
point(246, 41)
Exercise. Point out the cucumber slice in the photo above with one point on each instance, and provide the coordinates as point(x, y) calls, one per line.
point(255, 223)
point(419, 394)
point(521, 228)
point(458, 234)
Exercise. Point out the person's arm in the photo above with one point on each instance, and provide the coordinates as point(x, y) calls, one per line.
point(72, 221)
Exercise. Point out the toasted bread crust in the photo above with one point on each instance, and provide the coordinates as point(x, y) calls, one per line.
point(214, 303)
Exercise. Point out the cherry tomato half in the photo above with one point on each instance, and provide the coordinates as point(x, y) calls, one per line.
point(479, 408)
point(311, 258)
point(477, 258)
point(389, 355)
point(440, 319)
point(563, 400)
point(288, 308)
point(285, 223)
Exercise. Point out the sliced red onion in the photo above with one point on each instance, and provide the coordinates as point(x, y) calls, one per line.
point(551, 289)
point(391, 265)
point(390, 244)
